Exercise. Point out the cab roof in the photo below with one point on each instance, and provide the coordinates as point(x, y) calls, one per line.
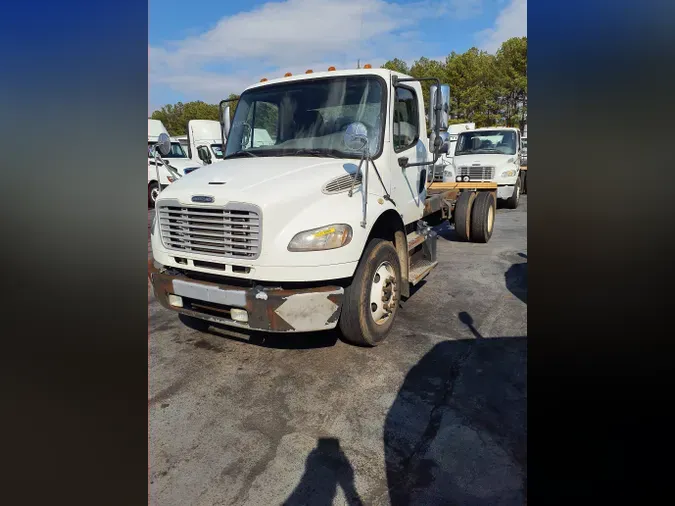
point(384, 73)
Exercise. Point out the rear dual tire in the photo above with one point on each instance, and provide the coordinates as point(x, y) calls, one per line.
point(475, 216)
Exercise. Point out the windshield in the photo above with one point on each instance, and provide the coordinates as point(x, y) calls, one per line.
point(498, 142)
point(177, 151)
point(307, 117)
point(217, 150)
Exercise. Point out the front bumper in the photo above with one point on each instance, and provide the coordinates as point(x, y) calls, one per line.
point(269, 309)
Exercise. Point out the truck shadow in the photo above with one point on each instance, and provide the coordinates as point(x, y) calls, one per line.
point(447, 232)
point(516, 279)
point(288, 341)
point(456, 432)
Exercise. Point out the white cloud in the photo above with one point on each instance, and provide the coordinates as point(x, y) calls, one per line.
point(291, 36)
point(465, 9)
point(511, 22)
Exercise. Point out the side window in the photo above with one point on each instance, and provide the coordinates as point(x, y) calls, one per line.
point(406, 119)
point(264, 118)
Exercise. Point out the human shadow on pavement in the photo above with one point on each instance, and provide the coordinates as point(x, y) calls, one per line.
point(326, 468)
point(516, 279)
point(457, 431)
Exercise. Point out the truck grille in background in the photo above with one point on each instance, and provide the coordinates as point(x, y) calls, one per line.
point(438, 173)
point(342, 183)
point(477, 173)
point(233, 231)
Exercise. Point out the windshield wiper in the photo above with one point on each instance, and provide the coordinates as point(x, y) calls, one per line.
point(313, 152)
point(242, 152)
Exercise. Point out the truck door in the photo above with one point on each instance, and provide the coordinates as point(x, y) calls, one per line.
point(408, 184)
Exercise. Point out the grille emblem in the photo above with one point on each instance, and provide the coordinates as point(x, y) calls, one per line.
point(203, 198)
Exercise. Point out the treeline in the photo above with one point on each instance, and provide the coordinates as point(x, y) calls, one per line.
point(486, 89)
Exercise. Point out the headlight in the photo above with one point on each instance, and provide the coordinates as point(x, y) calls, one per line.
point(328, 237)
point(508, 173)
point(448, 173)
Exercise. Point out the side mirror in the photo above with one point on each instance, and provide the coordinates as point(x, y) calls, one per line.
point(445, 147)
point(204, 154)
point(439, 97)
point(225, 122)
point(163, 144)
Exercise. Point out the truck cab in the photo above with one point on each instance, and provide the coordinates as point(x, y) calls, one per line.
point(177, 158)
point(313, 218)
point(203, 141)
point(490, 154)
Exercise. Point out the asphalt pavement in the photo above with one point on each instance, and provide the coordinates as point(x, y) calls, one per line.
point(435, 415)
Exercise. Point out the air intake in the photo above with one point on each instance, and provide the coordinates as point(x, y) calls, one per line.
point(341, 184)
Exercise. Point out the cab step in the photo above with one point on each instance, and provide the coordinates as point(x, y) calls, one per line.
point(420, 269)
point(414, 240)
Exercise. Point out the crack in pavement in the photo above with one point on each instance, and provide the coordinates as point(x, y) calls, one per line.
point(433, 424)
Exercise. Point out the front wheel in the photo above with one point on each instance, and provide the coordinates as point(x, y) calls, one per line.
point(153, 193)
point(512, 201)
point(371, 300)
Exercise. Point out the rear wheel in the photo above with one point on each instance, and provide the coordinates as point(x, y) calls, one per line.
point(462, 214)
point(371, 300)
point(482, 217)
point(153, 193)
point(512, 201)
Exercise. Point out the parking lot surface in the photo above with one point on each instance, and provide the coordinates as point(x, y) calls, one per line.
point(435, 415)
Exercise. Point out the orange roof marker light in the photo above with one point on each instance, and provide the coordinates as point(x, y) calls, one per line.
point(331, 69)
point(308, 71)
point(288, 74)
point(367, 66)
point(263, 80)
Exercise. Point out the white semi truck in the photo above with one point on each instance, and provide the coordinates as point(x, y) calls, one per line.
point(176, 157)
point(490, 154)
point(321, 223)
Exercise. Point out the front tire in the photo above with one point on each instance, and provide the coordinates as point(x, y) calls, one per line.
point(153, 193)
point(371, 300)
point(512, 201)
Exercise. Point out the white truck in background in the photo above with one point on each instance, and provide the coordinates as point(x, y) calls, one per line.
point(490, 154)
point(319, 222)
point(176, 157)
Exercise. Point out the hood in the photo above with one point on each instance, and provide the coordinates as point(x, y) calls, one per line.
point(181, 164)
point(260, 181)
point(484, 160)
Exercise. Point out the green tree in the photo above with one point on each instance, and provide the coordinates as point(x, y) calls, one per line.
point(511, 63)
point(176, 117)
point(397, 66)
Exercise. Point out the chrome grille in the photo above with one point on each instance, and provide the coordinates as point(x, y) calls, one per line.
point(233, 231)
point(342, 183)
point(477, 173)
point(438, 173)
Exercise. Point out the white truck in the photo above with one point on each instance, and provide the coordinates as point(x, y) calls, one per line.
point(204, 141)
point(490, 154)
point(176, 157)
point(323, 226)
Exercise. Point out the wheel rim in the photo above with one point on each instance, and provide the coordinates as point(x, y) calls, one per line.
point(154, 193)
point(383, 293)
point(491, 219)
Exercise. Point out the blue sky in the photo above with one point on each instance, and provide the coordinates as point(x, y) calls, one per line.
point(207, 49)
